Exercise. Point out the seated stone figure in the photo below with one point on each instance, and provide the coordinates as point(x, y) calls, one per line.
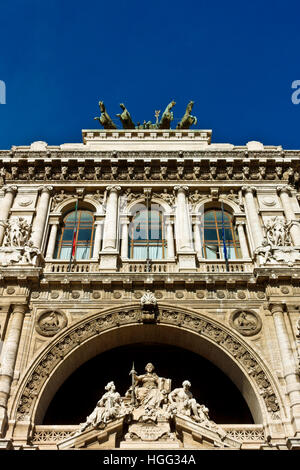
point(109, 407)
point(182, 402)
point(149, 387)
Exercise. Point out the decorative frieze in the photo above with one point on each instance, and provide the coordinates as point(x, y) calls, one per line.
point(121, 169)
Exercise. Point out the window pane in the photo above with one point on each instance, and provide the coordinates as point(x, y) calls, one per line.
point(65, 252)
point(86, 216)
point(209, 217)
point(84, 235)
point(71, 217)
point(216, 227)
point(141, 230)
point(82, 252)
point(210, 234)
point(68, 234)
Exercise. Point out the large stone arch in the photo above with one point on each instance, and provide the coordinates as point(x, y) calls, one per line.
point(175, 326)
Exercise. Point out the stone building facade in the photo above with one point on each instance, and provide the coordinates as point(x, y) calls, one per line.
point(222, 264)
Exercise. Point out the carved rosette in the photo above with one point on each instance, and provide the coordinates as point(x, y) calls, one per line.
point(49, 323)
point(92, 327)
point(246, 322)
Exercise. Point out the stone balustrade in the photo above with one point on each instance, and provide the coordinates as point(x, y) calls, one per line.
point(217, 266)
point(155, 267)
point(50, 435)
point(140, 266)
point(63, 266)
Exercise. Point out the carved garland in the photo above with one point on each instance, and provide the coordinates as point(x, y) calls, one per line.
point(103, 322)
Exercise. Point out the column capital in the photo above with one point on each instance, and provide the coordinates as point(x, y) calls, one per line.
point(124, 219)
point(10, 189)
point(169, 220)
point(277, 307)
point(54, 219)
point(239, 222)
point(248, 189)
point(181, 187)
point(284, 189)
point(45, 189)
point(196, 220)
point(18, 308)
point(113, 188)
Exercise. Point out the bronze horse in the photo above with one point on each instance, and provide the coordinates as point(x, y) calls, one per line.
point(167, 117)
point(105, 119)
point(187, 121)
point(125, 118)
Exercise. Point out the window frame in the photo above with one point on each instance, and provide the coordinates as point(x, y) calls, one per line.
point(60, 243)
point(161, 242)
point(218, 242)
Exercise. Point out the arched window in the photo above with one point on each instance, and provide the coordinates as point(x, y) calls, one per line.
point(146, 235)
point(218, 231)
point(79, 227)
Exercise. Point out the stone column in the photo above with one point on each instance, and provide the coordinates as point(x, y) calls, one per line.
point(170, 239)
point(5, 207)
point(52, 239)
point(183, 231)
point(97, 239)
point(197, 238)
point(110, 223)
point(124, 238)
point(39, 223)
point(284, 194)
point(254, 220)
point(109, 253)
point(288, 364)
point(9, 356)
point(242, 238)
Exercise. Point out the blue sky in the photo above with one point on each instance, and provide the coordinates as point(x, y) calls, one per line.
point(236, 60)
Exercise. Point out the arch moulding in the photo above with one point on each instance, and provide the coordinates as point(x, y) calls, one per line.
point(120, 326)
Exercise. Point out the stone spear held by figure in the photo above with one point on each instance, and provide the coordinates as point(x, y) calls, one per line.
point(133, 374)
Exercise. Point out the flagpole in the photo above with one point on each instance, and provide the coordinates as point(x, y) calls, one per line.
point(73, 239)
point(148, 261)
point(224, 242)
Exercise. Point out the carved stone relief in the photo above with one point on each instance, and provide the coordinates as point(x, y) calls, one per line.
point(18, 248)
point(49, 323)
point(247, 323)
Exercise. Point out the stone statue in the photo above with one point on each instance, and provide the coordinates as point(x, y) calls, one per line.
point(125, 118)
point(104, 119)
point(187, 121)
point(183, 403)
point(148, 389)
point(29, 253)
point(109, 407)
point(278, 231)
point(167, 116)
point(17, 246)
point(17, 232)
point(58, 198)
point(150, 410)
point(266, 251)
